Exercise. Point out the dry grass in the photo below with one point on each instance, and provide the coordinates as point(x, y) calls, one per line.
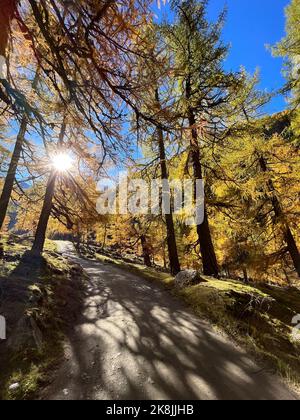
point(258, 317)
point(38, 303)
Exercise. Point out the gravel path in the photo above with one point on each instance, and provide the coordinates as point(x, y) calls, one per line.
point(134, 340)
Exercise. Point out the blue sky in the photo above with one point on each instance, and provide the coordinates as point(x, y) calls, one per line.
point(250, 26)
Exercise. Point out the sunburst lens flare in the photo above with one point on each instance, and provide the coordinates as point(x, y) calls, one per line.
point(62, 162)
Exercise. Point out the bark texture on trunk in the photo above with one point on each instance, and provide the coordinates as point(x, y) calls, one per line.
point(146, 251)
point(7, 10)
point(11, 174)
point(171, 236)
point(40, 235)
point(245, 275)
point(293, 249)
point(104, 237)
point(209, 259)
point(280, 218)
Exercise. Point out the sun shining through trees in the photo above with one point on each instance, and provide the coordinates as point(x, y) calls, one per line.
point(189, 115)
point(93, 88)
point(62, 162)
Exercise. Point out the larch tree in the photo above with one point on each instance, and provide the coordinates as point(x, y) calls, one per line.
point(154, 90)
point(262, 183)
point(7, 13)
point(289, 48)
point(209, 98)
point(23, 75)
point(6, 16)
point(197, 56)
point(171, 236)
point(40, 234)
point(14, 162)
point(279, 210)
point(85, 51)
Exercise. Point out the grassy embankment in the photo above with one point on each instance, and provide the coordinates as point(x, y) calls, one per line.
point(257, 316)
point(39, 302)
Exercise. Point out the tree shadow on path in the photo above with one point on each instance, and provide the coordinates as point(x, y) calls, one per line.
point(136, 341)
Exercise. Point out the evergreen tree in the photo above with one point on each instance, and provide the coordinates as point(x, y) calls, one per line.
point(262, 183)
point(289, 48)
point(209, 98)
point(153, 99)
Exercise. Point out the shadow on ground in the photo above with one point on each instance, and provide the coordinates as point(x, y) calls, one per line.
point(136, 341)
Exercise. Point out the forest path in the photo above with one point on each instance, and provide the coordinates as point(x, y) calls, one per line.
point(134, 340)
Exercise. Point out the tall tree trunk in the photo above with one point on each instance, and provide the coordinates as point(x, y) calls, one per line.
point(293, 249)
point(40, 235)
point(245, 275)
point(164, 255)
point(207, 250)
point(146, 251)
point(7, 11)
point(171, 236)
point(104, 237)
point(280, 218)
point(78, 240)
point(11, 174)
point(209, 259)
